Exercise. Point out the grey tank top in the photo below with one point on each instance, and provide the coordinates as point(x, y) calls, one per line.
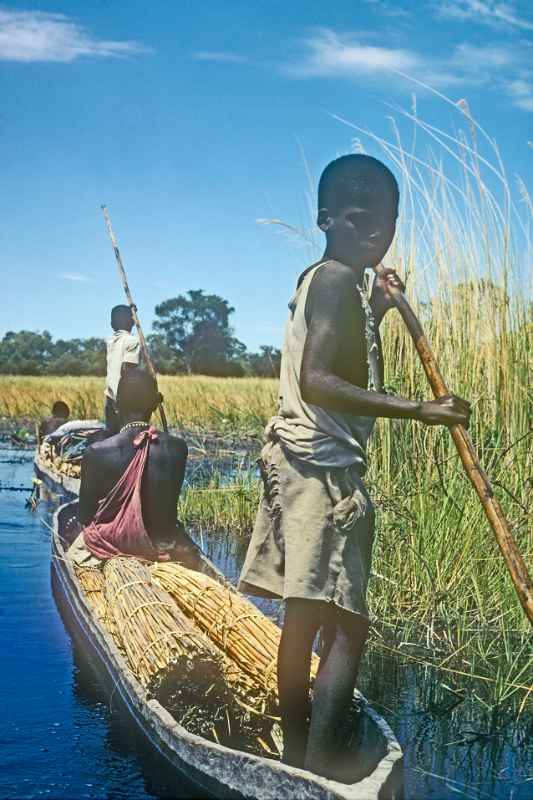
point(308, 432)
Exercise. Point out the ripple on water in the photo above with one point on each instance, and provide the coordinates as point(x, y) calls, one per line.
point(61, 737)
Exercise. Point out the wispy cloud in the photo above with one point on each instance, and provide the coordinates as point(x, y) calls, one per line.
point(329, 54)
point(28, 36)
point(74, 276)
point(486, 12)
point(521, 92)
point(222, 56)
point(387, 9)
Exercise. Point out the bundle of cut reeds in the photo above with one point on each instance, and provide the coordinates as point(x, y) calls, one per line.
point(177, 663)
point(155, 634)
point(233, 623)
point(93, 583)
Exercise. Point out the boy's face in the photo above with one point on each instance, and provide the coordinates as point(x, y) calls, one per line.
point(366, 229)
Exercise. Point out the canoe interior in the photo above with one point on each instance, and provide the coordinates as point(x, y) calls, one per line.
point(215, 769)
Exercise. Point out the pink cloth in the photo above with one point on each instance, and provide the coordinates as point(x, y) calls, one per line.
point(118, 526)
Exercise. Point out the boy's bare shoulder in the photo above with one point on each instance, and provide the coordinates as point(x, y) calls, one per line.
point(332, 291)
point(332, 277)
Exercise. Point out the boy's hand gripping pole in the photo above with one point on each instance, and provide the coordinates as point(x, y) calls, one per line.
point(142, 340)
point(514, 561)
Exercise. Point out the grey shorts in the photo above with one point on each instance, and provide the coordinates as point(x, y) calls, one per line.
point(313, 534)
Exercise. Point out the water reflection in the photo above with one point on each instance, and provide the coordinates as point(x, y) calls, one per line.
point(123, 742)
point(61, 737)
point(453, 746)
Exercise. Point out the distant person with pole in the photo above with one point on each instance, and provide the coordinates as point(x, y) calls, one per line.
point(123, 352)
point(313, 536)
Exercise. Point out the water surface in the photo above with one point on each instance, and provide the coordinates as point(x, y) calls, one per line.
point(61, 735)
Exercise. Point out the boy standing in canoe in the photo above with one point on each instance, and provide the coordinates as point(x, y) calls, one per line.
point(123, 352)
point(312, 540)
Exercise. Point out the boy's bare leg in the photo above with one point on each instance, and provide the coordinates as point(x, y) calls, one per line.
point(344, 636)
point(301, 624)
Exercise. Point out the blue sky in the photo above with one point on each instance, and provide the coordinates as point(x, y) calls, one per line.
point(190, 120)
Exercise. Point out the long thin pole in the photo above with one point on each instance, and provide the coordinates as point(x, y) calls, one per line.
point(514, 561)
point(124, 279)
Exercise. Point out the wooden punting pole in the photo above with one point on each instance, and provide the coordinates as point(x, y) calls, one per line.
point(513, 559)
point(124, 279)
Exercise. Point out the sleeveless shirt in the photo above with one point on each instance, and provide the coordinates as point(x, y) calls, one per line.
point(308, 432)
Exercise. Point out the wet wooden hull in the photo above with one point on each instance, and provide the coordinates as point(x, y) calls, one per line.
point(54, 483)
point(217, 770)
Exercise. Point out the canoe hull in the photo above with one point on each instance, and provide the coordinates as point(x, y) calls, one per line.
point(217, 770)
point(54, 482)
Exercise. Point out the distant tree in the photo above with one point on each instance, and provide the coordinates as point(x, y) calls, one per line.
point(25, 353)
point(78, 357)
point(265, 364)
point(196, 327)
point(166, 360)
point(34, 353)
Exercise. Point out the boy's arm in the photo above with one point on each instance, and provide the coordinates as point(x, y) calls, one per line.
point(329, 311)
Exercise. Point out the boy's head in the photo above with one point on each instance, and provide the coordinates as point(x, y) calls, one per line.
point(121, 318)
point(60, 410)
point(137, 394)
point(357, 208)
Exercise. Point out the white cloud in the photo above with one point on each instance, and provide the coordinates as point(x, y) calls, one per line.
point(28, 36)
point(386, 9)
point(472, 57)
point(520, 91)
point(328, 53)
point(74, 276)
point(487, 12)
point(525, 103)
point(220, 56)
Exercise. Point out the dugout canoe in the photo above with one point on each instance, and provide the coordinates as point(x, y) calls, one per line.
point(53, 481)
point(219, 771)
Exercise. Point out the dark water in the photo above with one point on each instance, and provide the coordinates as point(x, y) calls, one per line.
point(61, 736)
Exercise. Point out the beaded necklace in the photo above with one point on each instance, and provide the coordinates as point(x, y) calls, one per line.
point(131, 425)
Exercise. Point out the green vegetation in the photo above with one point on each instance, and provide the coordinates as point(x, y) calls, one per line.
point(218, 506)
point(240, 405)
point(192, 335)
point(440, 592)
point(33, 353)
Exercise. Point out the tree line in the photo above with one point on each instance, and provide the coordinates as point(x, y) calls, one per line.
point(191, 334)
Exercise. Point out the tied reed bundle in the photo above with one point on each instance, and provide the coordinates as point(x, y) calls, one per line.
point(93, 583)
point(233, 623)
point(157, 637)
point(178, 664)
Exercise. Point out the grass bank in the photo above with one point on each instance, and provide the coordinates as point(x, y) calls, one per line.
point(464, 248)
point(236, 405)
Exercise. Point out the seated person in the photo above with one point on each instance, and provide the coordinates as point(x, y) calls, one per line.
point(130, 483)
point(60, 415)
